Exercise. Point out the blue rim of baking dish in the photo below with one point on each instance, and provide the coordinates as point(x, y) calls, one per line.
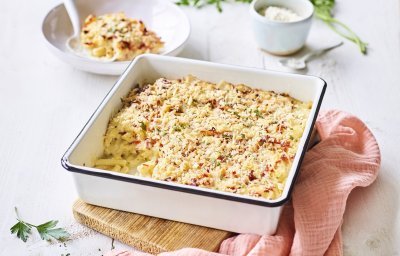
point(187, 188)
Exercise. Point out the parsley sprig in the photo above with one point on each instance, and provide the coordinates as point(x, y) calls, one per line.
point(47, 231)
point(323, 11)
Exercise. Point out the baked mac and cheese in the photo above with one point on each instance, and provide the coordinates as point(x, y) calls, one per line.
point(220, 136)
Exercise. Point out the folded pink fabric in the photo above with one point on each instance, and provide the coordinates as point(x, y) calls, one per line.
point(347, 157)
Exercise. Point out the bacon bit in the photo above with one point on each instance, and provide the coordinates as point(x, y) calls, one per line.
point(170, 179)
point(135, 142)
point(201, 164)
point(89, 43)
point(234, 190)
point(121, 133)
point(150, 142)
point(179, 80)
point(252, 176)
point(178, 110)
point(213, 103)
point(89, 20)
point(194, 182)
point(262, 141)
point(284, 157)
point(124, 45)
point(285, 144)
point(269, 139)
point(221, 158)
point(205, 175)
point(268, 169)
point(211, 132)
point(280, 127)
point(85, 31)
point(268, 189)
point(142, 45)
point(206, 182)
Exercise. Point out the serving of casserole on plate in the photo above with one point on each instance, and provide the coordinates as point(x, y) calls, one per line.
point(197, 142)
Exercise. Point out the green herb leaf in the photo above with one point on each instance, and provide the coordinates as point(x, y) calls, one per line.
point(143, 126)
point(177, 128)
point(258, 113)
point(22, 230)
point(56, 233)
point(47, 231)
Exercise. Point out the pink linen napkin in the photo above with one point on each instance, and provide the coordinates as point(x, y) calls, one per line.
point(348, 156)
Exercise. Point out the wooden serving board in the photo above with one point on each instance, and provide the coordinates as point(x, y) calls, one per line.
point(148, 234)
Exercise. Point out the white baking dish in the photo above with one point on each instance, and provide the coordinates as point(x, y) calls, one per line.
point(205, 207)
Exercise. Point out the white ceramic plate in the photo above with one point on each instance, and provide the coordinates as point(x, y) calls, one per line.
point(163, 17)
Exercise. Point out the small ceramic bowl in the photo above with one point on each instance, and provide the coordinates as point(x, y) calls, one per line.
point(281, 38)
point(163, 17)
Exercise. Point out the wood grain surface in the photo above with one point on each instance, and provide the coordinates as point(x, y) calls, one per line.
point(148, 234)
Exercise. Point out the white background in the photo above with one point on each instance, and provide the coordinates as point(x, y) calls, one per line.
point(45, 103)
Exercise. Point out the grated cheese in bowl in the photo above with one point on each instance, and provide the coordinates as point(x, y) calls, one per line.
point(280, 14)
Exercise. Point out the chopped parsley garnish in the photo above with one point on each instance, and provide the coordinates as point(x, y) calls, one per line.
point(143, 126)
point(258, 113)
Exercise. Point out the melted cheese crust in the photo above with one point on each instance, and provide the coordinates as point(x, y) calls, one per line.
point(114, 36)
point(220, 136)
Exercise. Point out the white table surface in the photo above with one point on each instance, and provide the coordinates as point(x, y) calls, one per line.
point(45, 103)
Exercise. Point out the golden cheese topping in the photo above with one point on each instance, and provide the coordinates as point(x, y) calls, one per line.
point(220, 136)
point(114, 36)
